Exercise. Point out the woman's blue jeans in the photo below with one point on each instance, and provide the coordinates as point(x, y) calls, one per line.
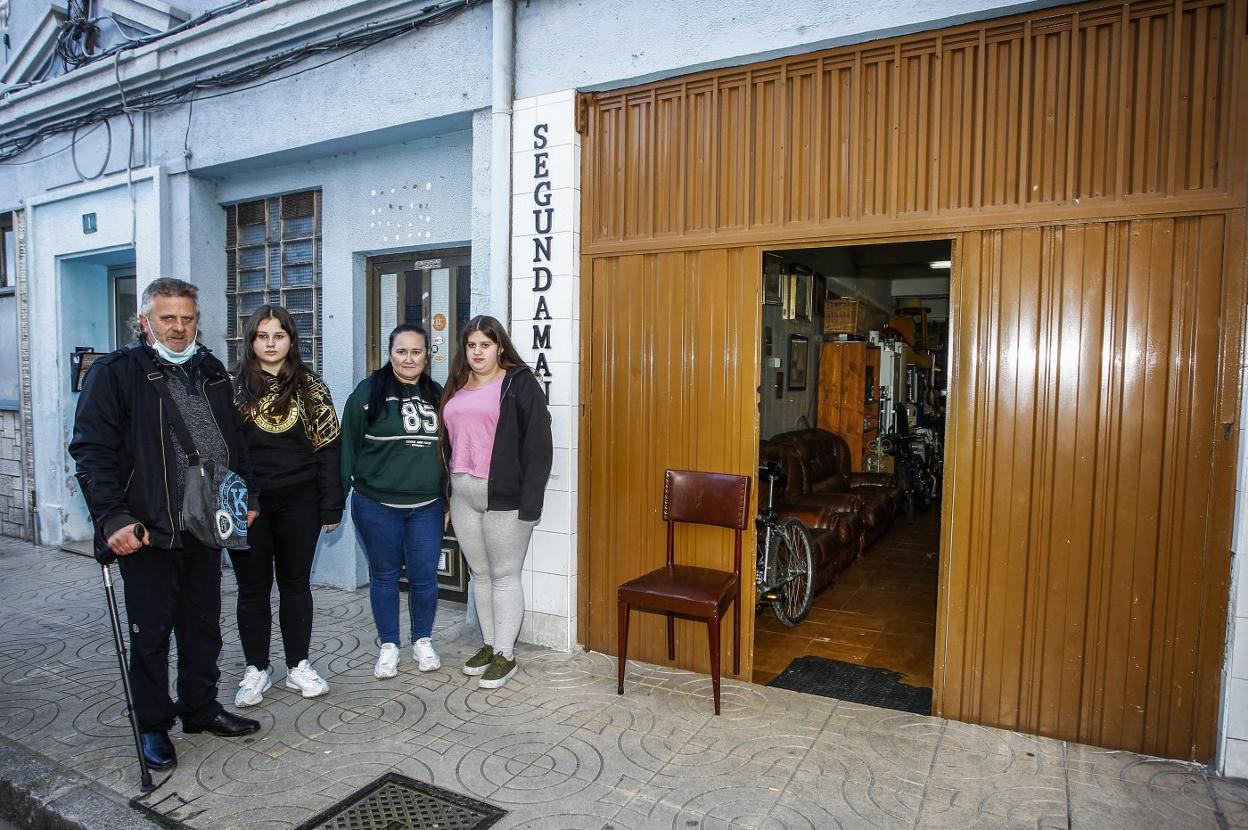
point(394, 537)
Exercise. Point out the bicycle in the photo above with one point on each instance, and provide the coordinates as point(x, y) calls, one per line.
point(785, 558)
point(916, 477)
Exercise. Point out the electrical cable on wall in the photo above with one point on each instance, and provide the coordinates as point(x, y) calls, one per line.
point(239, 79)
point(73, 152)
point(186, 137)
point(121, 90)
point(74, 137)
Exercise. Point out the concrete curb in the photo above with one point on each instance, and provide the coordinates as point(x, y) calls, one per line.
point(41, 794)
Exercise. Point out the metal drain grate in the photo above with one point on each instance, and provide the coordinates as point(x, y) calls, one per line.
point(396, 802)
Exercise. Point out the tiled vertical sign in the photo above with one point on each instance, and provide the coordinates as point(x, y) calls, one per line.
point(545, 325)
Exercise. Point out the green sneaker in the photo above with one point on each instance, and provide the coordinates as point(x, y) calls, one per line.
point(500, 671)
point(479, 662)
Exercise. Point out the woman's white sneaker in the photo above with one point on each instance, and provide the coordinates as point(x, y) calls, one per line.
point(426, 658)
point(252, 687)
point(387, 662)
point(304, 679)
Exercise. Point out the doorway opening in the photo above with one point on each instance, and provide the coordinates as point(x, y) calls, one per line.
point(98, 306)
point(429, 288)
point(854, 356)
point(432, 289)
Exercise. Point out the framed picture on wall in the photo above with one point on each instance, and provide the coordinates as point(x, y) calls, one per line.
point(802, 279)
point(799, 346)
point(773, 273)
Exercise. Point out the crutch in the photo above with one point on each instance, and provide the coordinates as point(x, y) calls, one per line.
point(106, 558)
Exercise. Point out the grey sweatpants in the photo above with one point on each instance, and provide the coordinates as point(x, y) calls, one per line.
point(494, 543)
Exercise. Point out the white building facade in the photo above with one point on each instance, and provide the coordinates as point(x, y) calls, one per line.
point(364, 175)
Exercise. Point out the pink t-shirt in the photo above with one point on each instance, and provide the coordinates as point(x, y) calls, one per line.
point(471, 420)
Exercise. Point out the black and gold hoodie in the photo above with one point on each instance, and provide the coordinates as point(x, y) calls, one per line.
point(301, 447)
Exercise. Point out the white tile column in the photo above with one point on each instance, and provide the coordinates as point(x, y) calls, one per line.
point(1234, 750)
point(545, 325)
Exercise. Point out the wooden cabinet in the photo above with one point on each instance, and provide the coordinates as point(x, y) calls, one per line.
point(846, 369)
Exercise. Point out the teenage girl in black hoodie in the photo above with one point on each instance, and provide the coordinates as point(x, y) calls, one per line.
point(293, 438)
point(498, 452)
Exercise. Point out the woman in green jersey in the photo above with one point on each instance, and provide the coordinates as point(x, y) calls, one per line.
point(391, 458)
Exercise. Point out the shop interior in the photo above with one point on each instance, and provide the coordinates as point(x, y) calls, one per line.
point(854, 365)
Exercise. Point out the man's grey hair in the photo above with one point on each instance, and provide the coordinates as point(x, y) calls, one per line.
point(167, 287)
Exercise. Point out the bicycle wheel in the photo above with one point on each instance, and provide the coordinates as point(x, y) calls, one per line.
point(795, 564)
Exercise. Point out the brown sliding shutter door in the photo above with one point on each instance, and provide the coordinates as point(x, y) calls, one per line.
point(1091, 163)
point(671, 380)
point(1089, 482)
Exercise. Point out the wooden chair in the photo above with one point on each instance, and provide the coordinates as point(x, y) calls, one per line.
point(684, 590)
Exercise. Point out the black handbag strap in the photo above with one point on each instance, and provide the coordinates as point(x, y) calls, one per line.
point(161, 382)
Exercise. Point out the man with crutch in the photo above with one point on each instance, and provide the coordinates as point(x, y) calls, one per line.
point(133, 470)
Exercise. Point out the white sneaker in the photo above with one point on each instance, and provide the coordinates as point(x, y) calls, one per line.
point(387, 662)
point(426, 658)
point(304, 679)
point(252, 687)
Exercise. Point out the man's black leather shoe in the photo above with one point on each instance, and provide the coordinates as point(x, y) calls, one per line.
point(158, 750)
point(224, 725)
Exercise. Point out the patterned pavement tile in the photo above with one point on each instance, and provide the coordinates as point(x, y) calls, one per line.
point(526, 769)
point(1232, 798)
point(556, 746)
point(1122, 789)
point(985, 803)
point(634, 742)
point(898, 739)
point(592, 806)
point(729, 791)
point(992, 778)
point(857, 790)
point(279, 811)
point(356, 765)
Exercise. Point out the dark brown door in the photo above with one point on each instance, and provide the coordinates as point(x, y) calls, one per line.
point(428, 288)
point(1090, 479)
point(671, 369)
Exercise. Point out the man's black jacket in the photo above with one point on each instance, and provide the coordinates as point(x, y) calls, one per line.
point(125, 448)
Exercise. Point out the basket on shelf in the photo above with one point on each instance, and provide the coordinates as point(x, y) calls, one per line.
point(844, 317)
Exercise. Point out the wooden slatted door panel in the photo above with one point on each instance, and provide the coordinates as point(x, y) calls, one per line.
point(1085, 563)
point(1061, 112)
point(671, 352)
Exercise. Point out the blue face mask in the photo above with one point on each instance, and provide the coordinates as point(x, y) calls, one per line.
point(170, 355)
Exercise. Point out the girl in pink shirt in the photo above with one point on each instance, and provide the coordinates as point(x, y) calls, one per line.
point(498, 452)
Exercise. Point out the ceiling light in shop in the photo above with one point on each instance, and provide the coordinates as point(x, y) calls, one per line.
point(941, 265)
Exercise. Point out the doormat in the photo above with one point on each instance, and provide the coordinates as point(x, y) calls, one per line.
point(396, 802)
point(857, 684)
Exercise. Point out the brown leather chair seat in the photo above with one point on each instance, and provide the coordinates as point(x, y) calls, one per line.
point(678, 587)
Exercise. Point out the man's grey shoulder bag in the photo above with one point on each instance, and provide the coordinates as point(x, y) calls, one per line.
point(214, 506)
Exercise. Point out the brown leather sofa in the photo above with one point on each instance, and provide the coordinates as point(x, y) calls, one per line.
point(834, 519)
point(824, 469)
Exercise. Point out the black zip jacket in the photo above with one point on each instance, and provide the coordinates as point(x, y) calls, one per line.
point(126, 451)
point(521, 457)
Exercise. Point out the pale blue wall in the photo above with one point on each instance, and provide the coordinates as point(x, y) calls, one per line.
point(353, 229)
point(86, 320)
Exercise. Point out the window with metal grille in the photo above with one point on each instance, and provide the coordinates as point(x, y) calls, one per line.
point(273, 255)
